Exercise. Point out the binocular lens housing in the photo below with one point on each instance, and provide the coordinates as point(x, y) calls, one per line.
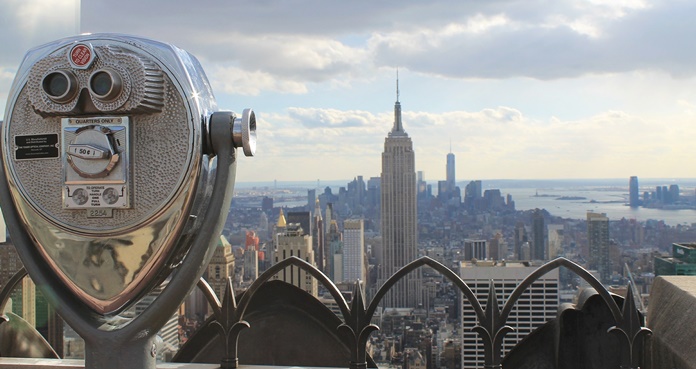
point(105, 84)
point(60, 86)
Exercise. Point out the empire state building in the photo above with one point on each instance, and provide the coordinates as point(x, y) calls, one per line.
point(399, 230)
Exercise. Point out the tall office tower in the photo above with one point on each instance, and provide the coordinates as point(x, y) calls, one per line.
point(330, 217)
point(520, 239)
point(373, 191)
point(538, 236)
point(220, 267)
point(633, 193)
point(443, 191)
point(598, 242)
point(251, 264)
point(9, 263)
point(263, 226)
point(251, 256)
point(399, 236)
point(674, 193)
point(304, 219)
point(318, 238)
point(450, 171)
point(267, 203)
point(334, 242)
point(475, 249)
point(294, 242)
point(311, 198)
point(510, 203)
point(536, 306)
point(362, 193)
point(472, 192)
point(354, 267)
point(555, 244)
point(493, 200)
point(421, 186)
point(497, 247)
point(476, 188)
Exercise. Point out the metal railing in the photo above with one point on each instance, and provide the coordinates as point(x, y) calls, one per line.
point(229, 315)
point(491, 327)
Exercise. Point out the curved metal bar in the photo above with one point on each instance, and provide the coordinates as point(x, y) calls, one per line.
point(192, 266)
point(60, 297)
point(9, 287)
point(210, 295)
point(408, 268)
point(551, 265)
point(294, 261)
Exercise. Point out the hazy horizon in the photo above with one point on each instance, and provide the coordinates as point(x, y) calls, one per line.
point(512, 182)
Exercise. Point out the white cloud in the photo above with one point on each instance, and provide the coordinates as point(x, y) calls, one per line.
point(233, 80)
point(29, 23)
point(331, 118)
point(455, 39)
point(492, 143)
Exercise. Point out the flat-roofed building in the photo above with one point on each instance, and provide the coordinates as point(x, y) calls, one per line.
point(682, 262)
point(537, 305)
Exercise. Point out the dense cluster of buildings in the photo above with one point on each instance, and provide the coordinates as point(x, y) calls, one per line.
point(662, 197)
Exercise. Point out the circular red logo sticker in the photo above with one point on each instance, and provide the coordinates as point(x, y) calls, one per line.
point(81, 55)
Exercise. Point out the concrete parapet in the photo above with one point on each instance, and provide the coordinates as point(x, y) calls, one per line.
point(672, 319)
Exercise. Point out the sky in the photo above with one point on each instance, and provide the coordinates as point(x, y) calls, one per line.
point(533, 89)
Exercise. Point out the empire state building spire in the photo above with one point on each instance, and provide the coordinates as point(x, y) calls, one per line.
point(398, 208)
point(398, 128)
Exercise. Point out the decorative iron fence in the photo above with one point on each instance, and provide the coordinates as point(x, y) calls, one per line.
point(229, 315)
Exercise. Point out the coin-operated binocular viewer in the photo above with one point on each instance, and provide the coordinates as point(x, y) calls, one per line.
point(118, 175)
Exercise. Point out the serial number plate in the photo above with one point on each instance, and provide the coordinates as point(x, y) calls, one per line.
point(100, 213)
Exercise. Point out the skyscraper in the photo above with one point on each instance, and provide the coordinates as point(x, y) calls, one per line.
point(295, 242)
point(520, 239)
point(327, 220)
point(450, 171)
point(475, 249)
point(318, 238)
point(220, 267)
point(598, 242)
point(531, 311)
point(311, 198)
point(354, 250)
point(399, 237)
point(633, 197)
point(334, 242)
point(538, 235)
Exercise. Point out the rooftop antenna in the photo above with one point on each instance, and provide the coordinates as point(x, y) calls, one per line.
point(397, 84)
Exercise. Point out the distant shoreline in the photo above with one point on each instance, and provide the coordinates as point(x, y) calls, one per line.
point(502, 184)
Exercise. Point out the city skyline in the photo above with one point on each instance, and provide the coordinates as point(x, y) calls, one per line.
point(574, 90)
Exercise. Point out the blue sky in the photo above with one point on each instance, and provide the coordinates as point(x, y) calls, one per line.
point(521, 89)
